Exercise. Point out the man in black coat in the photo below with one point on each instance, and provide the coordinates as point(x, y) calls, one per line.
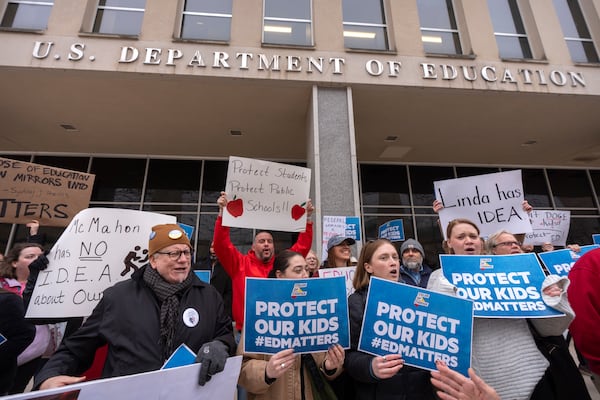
point(143, 320)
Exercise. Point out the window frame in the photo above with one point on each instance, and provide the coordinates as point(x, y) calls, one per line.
point(184, 13)
point(582, 18)
point(94, 19)
point(288, 20)
point(526, 53)
point(4, 8)
point(455, 33)
point(380, 26)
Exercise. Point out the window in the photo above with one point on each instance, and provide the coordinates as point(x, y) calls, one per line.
point(571, 188)
point(364, 25)
point(509, 29)
point(27, 14)
point(119, 17)
point(287, 22)
point(577, 35)
point(439, 32)
point(206, 20)
point(112, 185)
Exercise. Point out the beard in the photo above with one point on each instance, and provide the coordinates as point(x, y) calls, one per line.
point(413, 265)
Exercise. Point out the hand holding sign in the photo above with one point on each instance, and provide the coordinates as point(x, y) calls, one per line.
point(280, 363)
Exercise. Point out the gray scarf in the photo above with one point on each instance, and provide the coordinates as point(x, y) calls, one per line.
point(168, 295)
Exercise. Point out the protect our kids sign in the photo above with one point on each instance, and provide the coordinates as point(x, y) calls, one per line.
point(507, 286)
point(307, 315)
point(421, 325)
point(492, 201)
point(100, 247)
point(266, 195)
point(560, 262)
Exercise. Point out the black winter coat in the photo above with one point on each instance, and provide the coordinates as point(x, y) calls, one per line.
point(128, 320)
point(409, 383)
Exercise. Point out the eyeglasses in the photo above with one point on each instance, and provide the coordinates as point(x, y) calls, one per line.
point(508, 244)
point(174, 255)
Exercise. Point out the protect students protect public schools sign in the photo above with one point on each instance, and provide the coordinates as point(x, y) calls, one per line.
point(47, 194)
point(266, 195)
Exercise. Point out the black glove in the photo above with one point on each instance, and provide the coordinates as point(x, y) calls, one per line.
point(39, 264)
point(213, 356)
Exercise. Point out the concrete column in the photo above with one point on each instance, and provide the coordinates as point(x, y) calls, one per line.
point(332, 156)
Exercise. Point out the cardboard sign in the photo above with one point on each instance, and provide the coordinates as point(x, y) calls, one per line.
point(392, 230)
point(100, 247)
point(421, 325)
point(307, 315)
point(549, 226)
point(48, 194)
point(507, 286)
point(266, 195)
point(560, 262)
point(154, 385)
point(346, 272)
point(337, 225)
point(491, 201)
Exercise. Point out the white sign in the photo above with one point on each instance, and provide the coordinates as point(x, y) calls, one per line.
point(99, 247)
point(337, 225)
point(491, 201)
point(155, 385)
point(266, 195)
point(346, 272)
point(549, 226)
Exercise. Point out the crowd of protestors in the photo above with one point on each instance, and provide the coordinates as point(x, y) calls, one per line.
point(506, 360)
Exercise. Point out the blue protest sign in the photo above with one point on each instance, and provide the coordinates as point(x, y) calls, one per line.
point(188, 229)
point(392, 230)
point(505, 286)
point(307, 315)
point(353, 228)
point(560, 262)
point(596, 238)
point(183, 355)
point(421, 325)
point(203, 275)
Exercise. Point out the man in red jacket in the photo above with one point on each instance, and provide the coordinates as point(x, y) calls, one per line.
point(584, 296)
point(257, 262)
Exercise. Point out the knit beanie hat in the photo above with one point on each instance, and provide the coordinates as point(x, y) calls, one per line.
point(412, 244)
point(165, 235)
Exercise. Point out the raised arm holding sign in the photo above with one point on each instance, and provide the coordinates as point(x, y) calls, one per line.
point(259, 259)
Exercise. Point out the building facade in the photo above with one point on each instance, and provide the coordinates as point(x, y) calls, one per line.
point(380, 98)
